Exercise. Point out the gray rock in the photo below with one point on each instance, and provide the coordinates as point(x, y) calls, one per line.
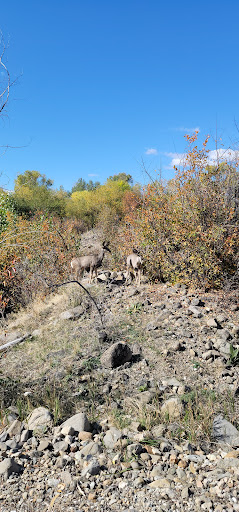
point(228, 463)
point(103, 337)
point(185, 493)
point(195, 310)
point(60, 447)
point(102, 278)
point(172, 382)
point(145, 397)
point(15, 428)
point(66, 477)
point(53, 482)
point(3, 437)
point(151, 326)
point(212, 322)
point(72, 314)
point(172, 408)
point(134, 449)
point(11, 444)
point(43, 445)
point(39, 419)
point(111, 437)
point(90, 448)
point(235, 331)
point(197, 302)
point(157, 471)
point(78, 423)
point(3, 447)
point(118, 354)
point(93, 468)
point(67, 315)
point(25, 435)
point(224, 432)
point(9, 466)
point(224, 335)
point(225, 349)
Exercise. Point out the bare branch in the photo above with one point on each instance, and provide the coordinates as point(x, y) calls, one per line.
point(88, 293)
point(4, 95)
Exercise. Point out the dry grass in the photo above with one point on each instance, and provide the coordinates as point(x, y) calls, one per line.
point(44, 364)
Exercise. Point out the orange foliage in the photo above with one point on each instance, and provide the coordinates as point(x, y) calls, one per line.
point(34, 256)
point(187, 230)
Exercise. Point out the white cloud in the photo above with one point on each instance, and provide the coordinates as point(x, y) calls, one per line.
point(220, 155)
point(151, 151)
point(177, 159)
point(92, 175)
point(187, 130)
point(214, 157)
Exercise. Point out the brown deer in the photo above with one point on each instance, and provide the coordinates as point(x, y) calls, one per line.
point(89, 262)
point(134, 263)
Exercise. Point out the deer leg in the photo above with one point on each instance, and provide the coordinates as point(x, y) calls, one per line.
point(81, 272)
point(91, 272)
point(139, 276)
point(127, 274)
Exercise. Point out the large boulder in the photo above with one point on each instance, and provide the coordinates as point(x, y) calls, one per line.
point(111, 437)
point(78, 423)
point(9, 466)
point(224, 432)
point(118, 354)
point(39, 419)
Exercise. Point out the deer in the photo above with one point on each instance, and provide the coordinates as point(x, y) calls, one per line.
point(89, 262)
point(134, 263)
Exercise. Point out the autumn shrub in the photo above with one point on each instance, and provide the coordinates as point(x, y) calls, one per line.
point(35, 255)
point(7, 206)
point(187, 229)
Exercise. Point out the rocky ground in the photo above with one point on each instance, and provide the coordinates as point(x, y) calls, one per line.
point(137, 412)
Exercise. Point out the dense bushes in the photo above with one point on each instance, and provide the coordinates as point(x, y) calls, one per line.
point(187, 230)
point(41, 231)
point(34, 256)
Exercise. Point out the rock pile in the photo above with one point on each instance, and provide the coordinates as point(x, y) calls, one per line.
point(170, 344)
point(79, 466)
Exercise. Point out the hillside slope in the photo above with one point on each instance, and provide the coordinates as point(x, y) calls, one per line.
point(156, 444)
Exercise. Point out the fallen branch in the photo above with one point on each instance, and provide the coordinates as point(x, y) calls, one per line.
point(14, 342)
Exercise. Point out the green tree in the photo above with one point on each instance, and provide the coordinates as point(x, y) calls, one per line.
point(81, 185)
point(32, 180)
point(122, 176)
point(33, 192)
point(82, 205)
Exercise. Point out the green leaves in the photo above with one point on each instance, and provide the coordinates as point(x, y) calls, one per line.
point(233, 357)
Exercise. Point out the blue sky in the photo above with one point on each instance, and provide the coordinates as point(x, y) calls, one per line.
point(105, 85)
